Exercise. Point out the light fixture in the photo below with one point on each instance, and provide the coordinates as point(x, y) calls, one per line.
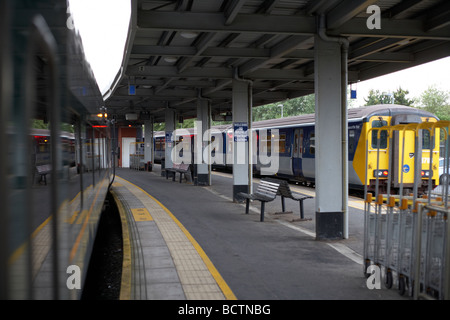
point(188, 34)
point(170, 59)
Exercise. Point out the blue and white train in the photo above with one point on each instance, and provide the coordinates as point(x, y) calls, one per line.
point(297, 145)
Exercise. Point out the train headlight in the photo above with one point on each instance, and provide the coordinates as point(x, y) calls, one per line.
point(381, 173)
point(425, 173)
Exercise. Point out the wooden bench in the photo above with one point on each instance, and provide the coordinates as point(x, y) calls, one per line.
point(178, 168)
point(285, 192)
point(266, 192)
point(43, 170)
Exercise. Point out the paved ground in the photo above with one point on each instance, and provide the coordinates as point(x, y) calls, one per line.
point(276, 259)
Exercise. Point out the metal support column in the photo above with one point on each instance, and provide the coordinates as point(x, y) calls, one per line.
point(329, 141)
point(204, 156)
point(170, 139)
point(242, 116)
point(148, 147)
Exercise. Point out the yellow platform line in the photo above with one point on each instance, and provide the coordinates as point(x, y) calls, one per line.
point(226, 290)
point(125, 288)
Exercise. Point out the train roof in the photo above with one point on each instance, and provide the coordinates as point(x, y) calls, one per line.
point(363, 114)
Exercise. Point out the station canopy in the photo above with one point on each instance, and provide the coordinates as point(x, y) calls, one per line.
point(179, 51)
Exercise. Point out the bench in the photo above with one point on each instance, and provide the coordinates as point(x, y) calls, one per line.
point(266, 192)
point(178, 168)
point(43, 170)
point(285, 192)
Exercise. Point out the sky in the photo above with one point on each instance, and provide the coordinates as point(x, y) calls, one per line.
point(103, 25)
point(416, 80)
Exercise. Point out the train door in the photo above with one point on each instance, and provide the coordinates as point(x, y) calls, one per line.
point(126, 151)
point(297, 152)
point(404, 156)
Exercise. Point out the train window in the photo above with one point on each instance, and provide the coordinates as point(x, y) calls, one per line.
point(383, 134)
point(265, 143)
point(296, 146)
point(351, 141)
point(426, 139)
point(282, 143)
point(300, 143)
point(312, 143)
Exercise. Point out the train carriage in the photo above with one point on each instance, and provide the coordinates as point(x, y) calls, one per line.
point(383, 159)
point(297, 146)
point(54, 180)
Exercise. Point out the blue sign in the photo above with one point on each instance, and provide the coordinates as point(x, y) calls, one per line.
point(240, 132)
point(131, 90)
point(405, 168)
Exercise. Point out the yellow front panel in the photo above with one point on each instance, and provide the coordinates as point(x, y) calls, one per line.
point(407, 155)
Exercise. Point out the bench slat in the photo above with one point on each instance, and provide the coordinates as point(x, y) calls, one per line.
point(285, 192)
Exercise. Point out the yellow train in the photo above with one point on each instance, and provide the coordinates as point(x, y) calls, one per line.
point(394, 143)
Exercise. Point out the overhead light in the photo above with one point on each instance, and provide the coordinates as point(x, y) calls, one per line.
point(170, 59)
point(188, 34)
point(131, 116)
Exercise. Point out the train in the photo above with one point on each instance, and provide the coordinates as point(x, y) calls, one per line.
point(56, 166)
point(296, 146)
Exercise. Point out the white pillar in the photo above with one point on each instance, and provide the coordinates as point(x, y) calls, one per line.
point(242, 116)
point(148, 147)
point(170, 128)
point(328, 140)
point(203, 133)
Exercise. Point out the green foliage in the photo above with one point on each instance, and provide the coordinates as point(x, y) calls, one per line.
point(436, 101)
point(292, 107)
point(40, 124)
point(397, 97)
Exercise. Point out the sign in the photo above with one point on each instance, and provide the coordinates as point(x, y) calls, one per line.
point(169, 139)
point(240, 132)
point(141, 214)
point(405, 168)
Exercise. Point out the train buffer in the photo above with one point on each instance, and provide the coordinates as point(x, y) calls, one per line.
point(178, 168)
point(43, 170)
point(266, 192)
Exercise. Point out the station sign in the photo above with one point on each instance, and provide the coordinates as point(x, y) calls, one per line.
point(240, 132)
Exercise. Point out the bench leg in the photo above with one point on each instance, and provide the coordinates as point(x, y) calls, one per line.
point(247, 206)
point(43, 179)
point(263, 204)
point(302, 216)
point(174, 176)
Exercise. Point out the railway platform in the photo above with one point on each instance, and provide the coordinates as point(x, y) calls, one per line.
point(185, 242)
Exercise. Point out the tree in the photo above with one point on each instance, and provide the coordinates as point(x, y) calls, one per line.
point(291, 107)
point(436, 101)
point(397, 97)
